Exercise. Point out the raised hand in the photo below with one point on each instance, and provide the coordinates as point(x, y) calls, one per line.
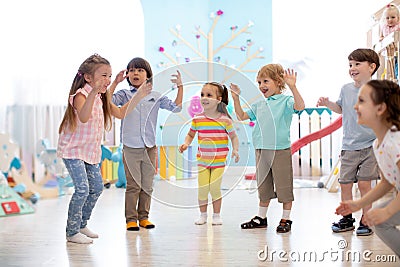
point(144, 89)
point(290, 77)
point(120, 76)
point(177, 78)
point(100, 86)
point(235, 90)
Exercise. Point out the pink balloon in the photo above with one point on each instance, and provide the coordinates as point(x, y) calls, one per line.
point(195, 106)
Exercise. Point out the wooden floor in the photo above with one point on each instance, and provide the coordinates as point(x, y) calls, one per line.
point(39, 239)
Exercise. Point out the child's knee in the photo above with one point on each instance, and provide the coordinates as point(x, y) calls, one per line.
point(215, 193)
point(97, 189)
point(203, 193)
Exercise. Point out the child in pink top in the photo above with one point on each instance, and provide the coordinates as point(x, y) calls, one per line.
point(390, 23)
point(213, 126)
point(390, 20)
point(81, 131)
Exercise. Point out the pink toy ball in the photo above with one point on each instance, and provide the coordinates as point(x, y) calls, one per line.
point(251, 124)
point(195, 106)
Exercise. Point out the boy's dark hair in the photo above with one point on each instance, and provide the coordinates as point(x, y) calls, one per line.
point(139, 63)
point(365, 55)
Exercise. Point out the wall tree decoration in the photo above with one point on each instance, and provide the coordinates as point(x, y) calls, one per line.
point(203, 48)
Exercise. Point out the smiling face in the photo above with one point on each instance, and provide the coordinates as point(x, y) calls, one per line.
point(360, 72)
point(137, 76)
point(392, 16)
point(267, 86)
point(209, 97)
point(101, 77)
point(367, 111)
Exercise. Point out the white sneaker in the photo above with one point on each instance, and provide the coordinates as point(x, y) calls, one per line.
point(80, 239)
point(202, 220)
point(217, 221)
point(87, 232)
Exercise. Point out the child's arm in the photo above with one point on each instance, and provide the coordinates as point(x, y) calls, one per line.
point(235, 146)
point(119, 78)
point(381, 36)
point(84, 105)
point(324, 101)
point(349, 206)
point(121, 112)
point(178, 81)
point(235, 92)
point(290, 77)
point(378, 216)
point(188, 140)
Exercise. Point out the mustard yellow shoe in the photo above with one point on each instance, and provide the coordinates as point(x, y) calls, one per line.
point(132, 226)
point(146, 224)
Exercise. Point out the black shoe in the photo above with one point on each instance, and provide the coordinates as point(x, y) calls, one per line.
point(256, 222)
point(284, 226)
point(364, 230)
point(345, 224)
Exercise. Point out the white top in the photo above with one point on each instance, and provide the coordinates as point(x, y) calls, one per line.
point(387, 155)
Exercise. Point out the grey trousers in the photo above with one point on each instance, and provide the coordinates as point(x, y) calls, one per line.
point(388, 232)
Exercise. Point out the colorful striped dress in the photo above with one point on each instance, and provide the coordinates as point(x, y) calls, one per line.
point(213, 135)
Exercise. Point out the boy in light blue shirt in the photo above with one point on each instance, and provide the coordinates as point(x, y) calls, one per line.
point(138, 135)
point(271, 140)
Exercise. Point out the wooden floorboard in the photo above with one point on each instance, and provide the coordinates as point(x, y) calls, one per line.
point(38, 239)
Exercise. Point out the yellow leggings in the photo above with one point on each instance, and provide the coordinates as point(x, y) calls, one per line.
point(209, 181)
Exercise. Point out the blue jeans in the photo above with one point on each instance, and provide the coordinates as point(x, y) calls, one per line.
point(88, 185)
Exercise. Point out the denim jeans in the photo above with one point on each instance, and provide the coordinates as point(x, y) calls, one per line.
point(88, 185)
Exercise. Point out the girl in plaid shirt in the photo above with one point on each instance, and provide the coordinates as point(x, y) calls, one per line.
point(88, 114)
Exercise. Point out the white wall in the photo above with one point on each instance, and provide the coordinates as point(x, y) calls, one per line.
point(316, 37)
point(44, 42)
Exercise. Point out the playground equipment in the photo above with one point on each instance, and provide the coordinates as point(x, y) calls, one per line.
point(106, 154)
point(316, 135)
point(175, 165)
point(11, 202)
point(22, 177)
point(55, 168)
point(331, 182)
point(117, 157)
point(112, 166)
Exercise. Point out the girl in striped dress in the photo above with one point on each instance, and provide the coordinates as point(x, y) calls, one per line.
point(214, 128)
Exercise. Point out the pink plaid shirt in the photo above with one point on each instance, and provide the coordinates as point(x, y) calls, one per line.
point(85, 142)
